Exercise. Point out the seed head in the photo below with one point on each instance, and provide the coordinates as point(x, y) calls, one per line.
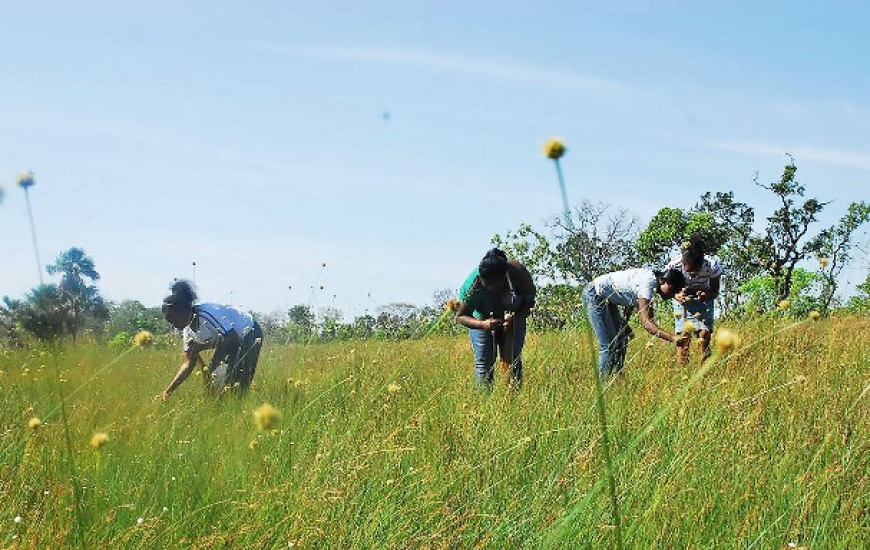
point(266, 417)
point(143, 339)
point(554, 149)
point(98, 440)
point(726, 340)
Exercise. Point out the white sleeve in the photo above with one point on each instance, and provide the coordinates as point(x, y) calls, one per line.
point(647, 288)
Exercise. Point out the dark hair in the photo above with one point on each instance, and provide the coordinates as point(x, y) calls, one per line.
point(674, 278)
point(182, 297)
point(493, 265)
point(694, 250)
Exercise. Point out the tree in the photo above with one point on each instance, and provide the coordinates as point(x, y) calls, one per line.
point(131, 316)
point(860, 304)
point(834, 247)
point(80, 298)
point(300, 323)
point(727, 227)
point(42, 313)
point(784, 243)
point(596, 241)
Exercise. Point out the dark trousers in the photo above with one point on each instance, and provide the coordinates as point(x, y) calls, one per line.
point(241, 357)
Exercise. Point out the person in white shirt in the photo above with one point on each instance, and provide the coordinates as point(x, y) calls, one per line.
point(234, 335)
point(630, 288)
point(696, 301)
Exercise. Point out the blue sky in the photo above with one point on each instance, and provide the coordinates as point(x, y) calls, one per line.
point(250, 137)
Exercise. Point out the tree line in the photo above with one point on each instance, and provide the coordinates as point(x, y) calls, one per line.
point(768, 258)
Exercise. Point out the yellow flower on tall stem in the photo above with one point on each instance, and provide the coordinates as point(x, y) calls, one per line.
point(815, 315)
point(26, 181)
point(784, 305)
point(34, 423)
point(554, 150)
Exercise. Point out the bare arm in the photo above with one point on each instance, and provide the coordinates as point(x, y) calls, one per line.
point(191, 358)
point(713, 292)
point(465, 317)
point(650, 325)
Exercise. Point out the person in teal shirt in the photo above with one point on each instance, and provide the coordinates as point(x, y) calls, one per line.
point(495, 301)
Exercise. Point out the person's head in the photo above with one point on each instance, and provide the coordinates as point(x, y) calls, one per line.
point(670, 282)
point(492, 270)
point(178, 306)
point(693, 253)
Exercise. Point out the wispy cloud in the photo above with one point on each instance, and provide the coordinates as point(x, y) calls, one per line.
point(450, 64)
point(836, 157)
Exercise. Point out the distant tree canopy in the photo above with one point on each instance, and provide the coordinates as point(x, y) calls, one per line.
point(49, 312)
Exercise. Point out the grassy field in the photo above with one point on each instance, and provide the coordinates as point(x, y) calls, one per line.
point(387, 445)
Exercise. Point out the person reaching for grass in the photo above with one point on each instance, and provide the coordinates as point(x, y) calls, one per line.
point(696, 301)
point(234, 335)
point(631, 288)
point(495, 301)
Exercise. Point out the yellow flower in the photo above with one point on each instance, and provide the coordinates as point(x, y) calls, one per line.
point(688, 327)
point(453, 304)
point(678, 315)
point(394, 388)
point(726, 340)
point(99, 439)
point(554, 149)
point(823, 262)
point(266, 417)
point(253, 444)
point(815, 315)
point(143, 339)
point(784, 305)
point(34, 423)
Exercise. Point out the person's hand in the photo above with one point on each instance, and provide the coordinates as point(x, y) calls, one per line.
point(681, 297)
point(491, 324)
point(702, 295)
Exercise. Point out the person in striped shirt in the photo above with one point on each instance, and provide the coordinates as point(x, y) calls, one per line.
point(234, 335)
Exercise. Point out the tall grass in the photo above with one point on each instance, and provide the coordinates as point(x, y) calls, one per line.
point(764, 447)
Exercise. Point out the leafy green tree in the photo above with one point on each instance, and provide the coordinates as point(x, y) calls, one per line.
point(671, 227)
point(761, 295)
point(131, 316)
point(300, 323)
point(727, 226)
point(78, 296)
point(42, 313)
point(860, 303)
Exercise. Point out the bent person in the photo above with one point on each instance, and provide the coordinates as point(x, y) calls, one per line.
point(234, 335)
point(629, 289)
point(696, 301)
point(495, 301)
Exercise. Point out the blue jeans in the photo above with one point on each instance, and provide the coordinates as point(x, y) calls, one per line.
point(701, 314)
point(611, 330)
point(483, 343)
